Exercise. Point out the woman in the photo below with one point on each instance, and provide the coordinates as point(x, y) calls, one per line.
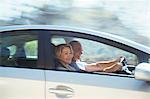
point(64, 55)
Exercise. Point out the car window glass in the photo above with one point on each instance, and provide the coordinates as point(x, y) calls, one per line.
point(19, 49)
point(58, 40)
point(31, 49)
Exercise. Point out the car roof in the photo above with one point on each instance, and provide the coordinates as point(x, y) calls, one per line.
point(80, 30)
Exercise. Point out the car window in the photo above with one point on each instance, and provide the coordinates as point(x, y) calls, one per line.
point(19, 49)
point(31, 49)
point(95, 51)
point(58, 40)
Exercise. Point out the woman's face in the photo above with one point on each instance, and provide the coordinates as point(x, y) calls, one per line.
point(66, 55)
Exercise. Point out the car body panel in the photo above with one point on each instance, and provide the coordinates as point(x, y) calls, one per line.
point(95, 86)
point(17, 83)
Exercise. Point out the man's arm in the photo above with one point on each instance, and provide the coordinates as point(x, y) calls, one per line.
point(93, 67)
point(104, 66)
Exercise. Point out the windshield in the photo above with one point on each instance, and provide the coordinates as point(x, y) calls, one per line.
point(127, 18)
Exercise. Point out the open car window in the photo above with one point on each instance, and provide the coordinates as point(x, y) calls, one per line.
point(95, 51)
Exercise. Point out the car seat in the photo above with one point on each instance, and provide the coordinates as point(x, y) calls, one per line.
point(5, 57)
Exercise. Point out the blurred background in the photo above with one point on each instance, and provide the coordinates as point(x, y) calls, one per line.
point(127, 18)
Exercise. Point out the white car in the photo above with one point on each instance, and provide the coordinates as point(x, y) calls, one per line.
point(28, 72)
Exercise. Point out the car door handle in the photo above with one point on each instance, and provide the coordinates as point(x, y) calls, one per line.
point(62, 91)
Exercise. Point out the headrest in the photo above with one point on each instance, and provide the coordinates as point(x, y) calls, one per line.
point(4, 51)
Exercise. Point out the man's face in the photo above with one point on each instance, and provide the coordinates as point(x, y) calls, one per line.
point(77, 48)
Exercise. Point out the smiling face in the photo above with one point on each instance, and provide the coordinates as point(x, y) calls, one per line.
point(64, 53)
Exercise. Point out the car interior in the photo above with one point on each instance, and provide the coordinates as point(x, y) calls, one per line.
point(5, 58)
point(15, 44)
point(56, 40)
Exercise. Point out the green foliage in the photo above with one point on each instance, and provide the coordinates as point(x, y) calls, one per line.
point(31, 48)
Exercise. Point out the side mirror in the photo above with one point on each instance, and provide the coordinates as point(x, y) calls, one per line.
point(142, 71)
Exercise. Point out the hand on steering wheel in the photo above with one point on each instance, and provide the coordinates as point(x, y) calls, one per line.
point(123, 61)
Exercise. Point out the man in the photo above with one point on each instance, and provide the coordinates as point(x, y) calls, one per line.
point(104, 66)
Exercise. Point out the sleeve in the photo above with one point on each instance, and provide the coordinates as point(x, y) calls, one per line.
point(81, 65)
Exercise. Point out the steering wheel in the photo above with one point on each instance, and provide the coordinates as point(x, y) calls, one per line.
point(125, 67)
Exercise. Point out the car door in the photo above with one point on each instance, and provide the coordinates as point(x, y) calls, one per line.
point(82, 85)
point(21, 74)
point(85, 85)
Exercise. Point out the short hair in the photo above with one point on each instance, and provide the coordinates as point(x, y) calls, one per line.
point(74, 42)
point(59, 48)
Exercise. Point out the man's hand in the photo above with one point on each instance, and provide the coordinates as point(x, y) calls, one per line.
point(109, 66)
